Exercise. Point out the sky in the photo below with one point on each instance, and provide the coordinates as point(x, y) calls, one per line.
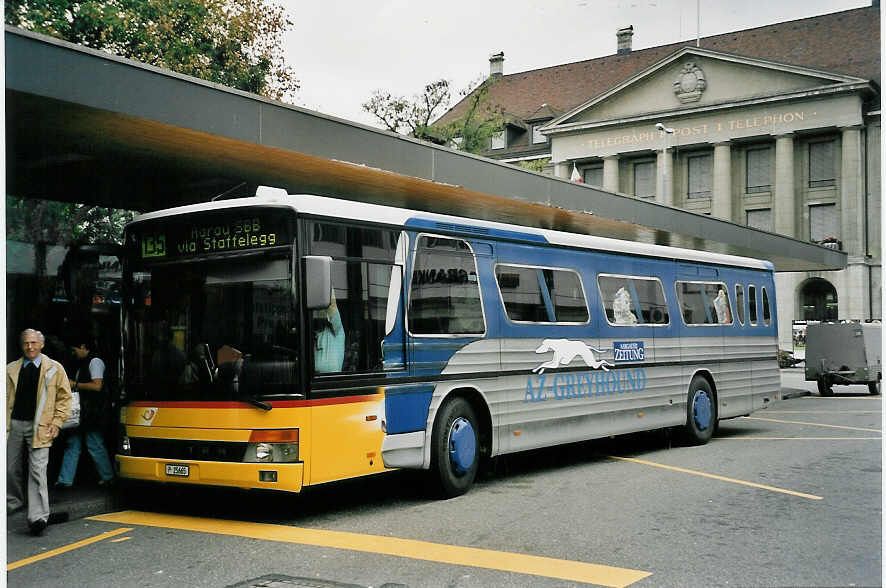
point(344, 50)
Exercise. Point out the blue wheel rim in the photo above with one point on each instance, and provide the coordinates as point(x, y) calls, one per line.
point(701, 410)
point(462, 445)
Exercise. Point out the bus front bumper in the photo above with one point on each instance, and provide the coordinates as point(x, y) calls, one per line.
point(271, 476)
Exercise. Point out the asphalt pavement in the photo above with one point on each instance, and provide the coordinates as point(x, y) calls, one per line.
point(82, 501)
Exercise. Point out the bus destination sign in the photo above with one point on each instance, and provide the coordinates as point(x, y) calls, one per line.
point(231, 231)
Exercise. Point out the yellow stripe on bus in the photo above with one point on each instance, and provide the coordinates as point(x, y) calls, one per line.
point(574, 571)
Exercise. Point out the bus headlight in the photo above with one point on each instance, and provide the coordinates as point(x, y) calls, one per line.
point(124, 448)
point(272, 446)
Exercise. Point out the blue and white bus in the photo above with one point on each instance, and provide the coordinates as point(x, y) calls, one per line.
point(283, 341)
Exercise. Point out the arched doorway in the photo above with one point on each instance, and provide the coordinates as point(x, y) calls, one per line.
point(818, 301)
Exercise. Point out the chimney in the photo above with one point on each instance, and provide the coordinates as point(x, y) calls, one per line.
point(624, 40)
point(496, 65)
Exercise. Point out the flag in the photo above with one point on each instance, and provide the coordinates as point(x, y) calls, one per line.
point(576, 177)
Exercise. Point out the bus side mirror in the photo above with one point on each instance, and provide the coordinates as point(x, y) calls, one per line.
point(318, 281)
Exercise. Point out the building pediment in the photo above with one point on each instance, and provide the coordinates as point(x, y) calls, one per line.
point(694, 79)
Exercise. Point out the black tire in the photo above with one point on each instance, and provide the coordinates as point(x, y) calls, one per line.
point(455, 449)
point(874, 388)
point(701, 412)
point(824, 387)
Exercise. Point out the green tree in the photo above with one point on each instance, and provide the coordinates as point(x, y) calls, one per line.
point(237, 43)
point(415, 116)
point(536, 165)
point(32, 220)
point(410, 116)
point(479, 119)
point(45, 222)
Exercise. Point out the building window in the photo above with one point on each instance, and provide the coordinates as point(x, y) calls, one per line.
point(644, 179)
point(821, 164)
point(593, 176)
point(822, 222)
point(497, 141)
point(537, 137)
point(759, 169)
point(760, 219)
point(699, 176)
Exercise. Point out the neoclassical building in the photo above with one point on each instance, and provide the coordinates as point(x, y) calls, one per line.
point(776, 127)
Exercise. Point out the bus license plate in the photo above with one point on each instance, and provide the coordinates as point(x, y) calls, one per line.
point(178, 470)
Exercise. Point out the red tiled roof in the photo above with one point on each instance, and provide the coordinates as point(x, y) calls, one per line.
point(845, 42)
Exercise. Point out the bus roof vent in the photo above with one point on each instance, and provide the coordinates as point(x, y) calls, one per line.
point(269, 193)
point(463, 228)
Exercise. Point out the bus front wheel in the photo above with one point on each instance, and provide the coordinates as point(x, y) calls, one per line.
point(701, 412)
point(455, 450)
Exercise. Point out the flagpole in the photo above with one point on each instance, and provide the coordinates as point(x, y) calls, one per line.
point(698, 23)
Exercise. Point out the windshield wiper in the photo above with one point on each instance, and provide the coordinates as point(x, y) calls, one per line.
point(256, 403)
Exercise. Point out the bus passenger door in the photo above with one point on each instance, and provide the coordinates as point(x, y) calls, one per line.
point(355, 348)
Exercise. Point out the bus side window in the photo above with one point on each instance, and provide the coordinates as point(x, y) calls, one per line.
point(752, 305)
point(633, 300)
point(767, 316)
point(521, 293)
point(704, 303)
point(444, 290)
point(541, 295)
point(739, 303)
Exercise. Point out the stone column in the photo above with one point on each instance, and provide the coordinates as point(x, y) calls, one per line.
point(852, 211)
point(610, 173)
point(664, 182)
point(853, 293)
point(721, 200)
point(784, 195)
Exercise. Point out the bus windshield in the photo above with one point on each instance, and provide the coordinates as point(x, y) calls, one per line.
point(216, 329)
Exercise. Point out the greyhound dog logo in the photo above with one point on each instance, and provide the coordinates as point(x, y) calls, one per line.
point(565, 350)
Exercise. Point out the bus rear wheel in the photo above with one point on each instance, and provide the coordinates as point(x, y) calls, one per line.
point(874, 388)
point(701, 413)
point(455, 449)
point(824, 387)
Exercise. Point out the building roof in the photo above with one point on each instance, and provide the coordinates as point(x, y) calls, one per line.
point(847, 42)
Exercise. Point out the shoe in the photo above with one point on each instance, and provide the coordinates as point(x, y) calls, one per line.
point(58, 517)
point(37, 527)
point(61, 486)
point(106, 483)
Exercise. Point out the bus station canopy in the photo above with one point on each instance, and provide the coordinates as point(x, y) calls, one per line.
point(86, 126)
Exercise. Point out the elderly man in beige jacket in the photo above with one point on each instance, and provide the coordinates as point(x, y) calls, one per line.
point(38, 400)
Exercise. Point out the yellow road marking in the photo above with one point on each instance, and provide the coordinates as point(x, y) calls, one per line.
point(798, 439)
point(814, 424)
point(574, 571)
point(716, 477)
point(824, 412)
point(66, 548)
point(838, 397)
point(120, 539)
